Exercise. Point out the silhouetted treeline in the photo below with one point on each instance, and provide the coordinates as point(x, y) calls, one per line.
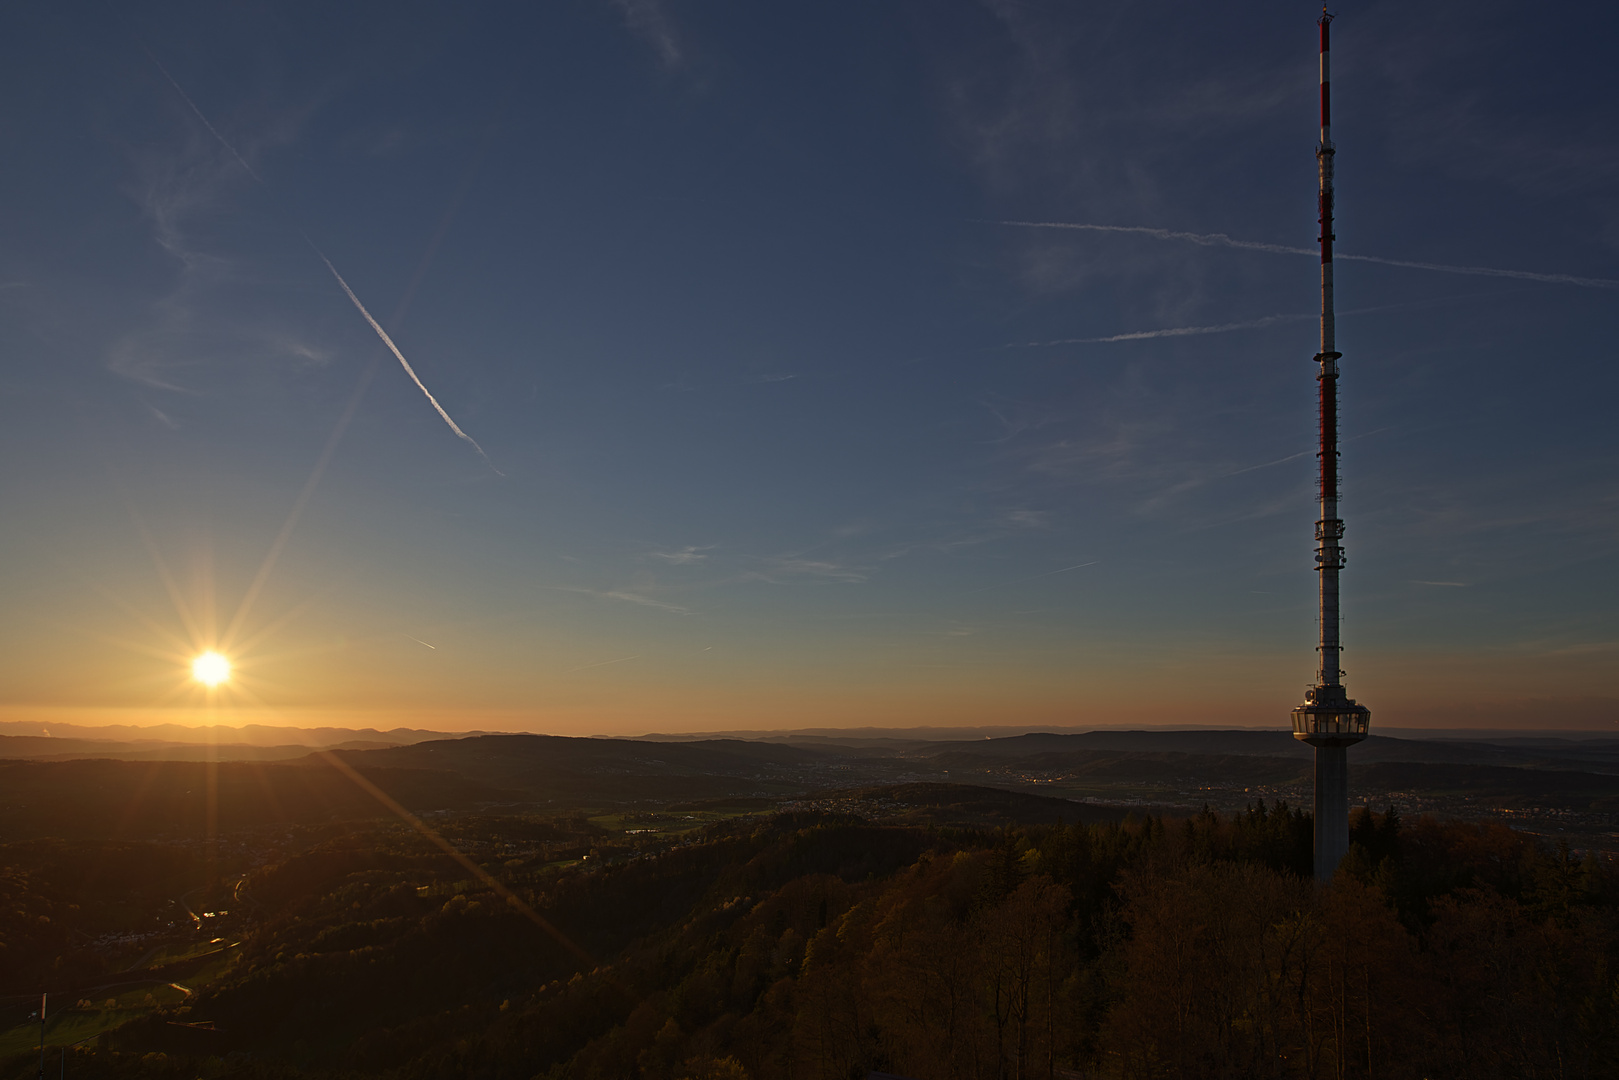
point(818, 948)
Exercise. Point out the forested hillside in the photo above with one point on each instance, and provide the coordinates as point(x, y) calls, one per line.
point(824, 946)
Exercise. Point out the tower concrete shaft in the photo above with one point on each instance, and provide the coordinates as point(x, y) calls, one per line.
point(1329, 719)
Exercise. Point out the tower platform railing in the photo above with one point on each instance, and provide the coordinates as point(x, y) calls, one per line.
point(1329, 718)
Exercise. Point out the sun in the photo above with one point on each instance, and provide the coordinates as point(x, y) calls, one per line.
point(210, 669)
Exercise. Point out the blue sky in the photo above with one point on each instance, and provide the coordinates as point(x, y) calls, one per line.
point(776, 431)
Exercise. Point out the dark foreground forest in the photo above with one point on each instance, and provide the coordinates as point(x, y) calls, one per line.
point(804, 945)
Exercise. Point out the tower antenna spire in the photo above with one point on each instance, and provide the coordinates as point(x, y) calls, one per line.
point(1329, 719)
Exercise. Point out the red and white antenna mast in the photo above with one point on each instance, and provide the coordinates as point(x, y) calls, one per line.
point(1329, 719)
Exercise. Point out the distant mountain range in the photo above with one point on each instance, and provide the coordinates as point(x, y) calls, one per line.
point(262, 742)
point(178, 742)
point(245, 734)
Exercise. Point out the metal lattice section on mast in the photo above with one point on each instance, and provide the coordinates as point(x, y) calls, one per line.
point(1329, 719)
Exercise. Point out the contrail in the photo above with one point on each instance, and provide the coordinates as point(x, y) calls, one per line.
point(1206, 239)
point(419, 641)
point(1268, 464)
point(1251, 324)
point(383, 334)
point(1222, 240)
point(1172, 331)
point(1490, 271)
point(388, 341)
point(240, 160)
point(338, 429)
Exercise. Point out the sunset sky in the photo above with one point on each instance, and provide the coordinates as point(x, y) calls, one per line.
point(783, 422)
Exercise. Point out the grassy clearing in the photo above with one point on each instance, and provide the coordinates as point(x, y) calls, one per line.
point(215, 968)
point(108, 1009)
point(175, 953)
point(75, 1025)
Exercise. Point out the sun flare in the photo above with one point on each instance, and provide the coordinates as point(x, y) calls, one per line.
point(210, 669)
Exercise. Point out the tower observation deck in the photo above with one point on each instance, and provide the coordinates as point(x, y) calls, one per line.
point(1329, 719)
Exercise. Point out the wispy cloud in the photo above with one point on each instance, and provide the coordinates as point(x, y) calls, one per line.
point(999, 526)
point(162, 417)
point(1489, 129)
point(624, 596)
point(947, 534)
point(648, 20)
point(1132, 440)
point(1119, 447)
point(1223, 240)
point(1033, 111)
point(1028, 519)
point(780, 570)
point(208, 318)
point(644, 601)
point(685, 556)
point(309, 354)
